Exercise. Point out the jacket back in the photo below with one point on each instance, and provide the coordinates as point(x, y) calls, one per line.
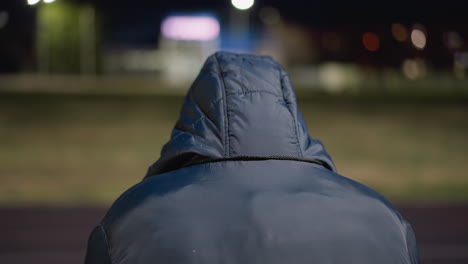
point(241, 181)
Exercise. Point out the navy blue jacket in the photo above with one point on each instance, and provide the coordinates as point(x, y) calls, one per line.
point(241, 181)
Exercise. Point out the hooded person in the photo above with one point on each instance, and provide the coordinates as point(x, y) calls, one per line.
point(241, 181)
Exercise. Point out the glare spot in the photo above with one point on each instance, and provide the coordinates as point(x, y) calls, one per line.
point(418, 38)
point(199, 28)
point(48, 1)
point(370, 41)
point(33, 2)
point(3, 19)
point(399, 32)
point(242, 4)
point(414, 69)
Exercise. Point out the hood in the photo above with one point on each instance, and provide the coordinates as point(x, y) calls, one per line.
point(239, 105)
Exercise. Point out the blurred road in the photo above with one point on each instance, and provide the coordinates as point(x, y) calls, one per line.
point(59, 235)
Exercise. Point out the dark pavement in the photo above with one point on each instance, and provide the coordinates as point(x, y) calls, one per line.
point(59, 235)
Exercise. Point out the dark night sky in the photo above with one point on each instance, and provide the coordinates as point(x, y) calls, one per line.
point(142, 15)
point(122, 17)
point(313, 12)
point(319, 11)
point(137, 22)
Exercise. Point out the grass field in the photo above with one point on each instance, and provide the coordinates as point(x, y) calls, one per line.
point(87, 149)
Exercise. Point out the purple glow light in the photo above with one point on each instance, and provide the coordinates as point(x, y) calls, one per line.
point(201, 28)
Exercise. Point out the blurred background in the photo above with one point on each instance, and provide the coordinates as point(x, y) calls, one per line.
point(90, 90)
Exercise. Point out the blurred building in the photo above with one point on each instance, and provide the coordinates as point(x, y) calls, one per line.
point(331, 44)
point(67, 38)
point(184, 42)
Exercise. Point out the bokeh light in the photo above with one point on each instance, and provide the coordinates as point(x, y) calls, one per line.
point(48, 1)
point(399, 32)
point(198, 28)
point(418, 38)
point(414, 69)
point(33, 2)
point(332, 76)
point(371, 41)
point(242, 4)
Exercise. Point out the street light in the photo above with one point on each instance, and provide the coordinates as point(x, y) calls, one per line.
point(43, 53)
point(33, 2)
point(242, 4)
point(239, 23)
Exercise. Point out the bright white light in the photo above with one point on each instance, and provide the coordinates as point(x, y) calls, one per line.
point(48, 1)
point(418, 38)
point(33, 2)
point(201, 28)
point(242, 4)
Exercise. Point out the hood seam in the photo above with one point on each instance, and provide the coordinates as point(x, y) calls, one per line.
point(248, 92)
point(288, 106)
point(204, 115)
point(226, 116)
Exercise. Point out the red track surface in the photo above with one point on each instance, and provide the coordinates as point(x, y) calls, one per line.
point(59, 235)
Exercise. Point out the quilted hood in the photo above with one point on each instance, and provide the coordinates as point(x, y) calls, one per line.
point(239, 105)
